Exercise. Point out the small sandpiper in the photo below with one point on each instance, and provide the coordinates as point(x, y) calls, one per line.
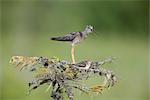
point(75, 38)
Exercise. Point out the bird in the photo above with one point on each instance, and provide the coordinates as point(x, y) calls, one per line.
point(75, 38)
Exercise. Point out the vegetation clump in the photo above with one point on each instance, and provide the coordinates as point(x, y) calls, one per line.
point(64, 76)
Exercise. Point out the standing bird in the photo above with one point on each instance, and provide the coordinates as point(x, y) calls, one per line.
point(75, 38)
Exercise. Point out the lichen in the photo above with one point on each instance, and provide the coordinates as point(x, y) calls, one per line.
point(65, 76)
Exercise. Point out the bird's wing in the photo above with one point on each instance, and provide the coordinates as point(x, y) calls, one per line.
point(68, 37)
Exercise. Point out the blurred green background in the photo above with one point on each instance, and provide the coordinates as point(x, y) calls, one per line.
point(121, 30)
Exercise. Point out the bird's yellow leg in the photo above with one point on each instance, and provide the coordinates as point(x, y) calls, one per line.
point(72, 55)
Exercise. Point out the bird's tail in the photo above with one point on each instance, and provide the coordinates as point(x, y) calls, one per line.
point(54, 38)
point(59, 39)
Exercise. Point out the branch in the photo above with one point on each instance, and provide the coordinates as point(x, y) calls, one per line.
point(65, 76)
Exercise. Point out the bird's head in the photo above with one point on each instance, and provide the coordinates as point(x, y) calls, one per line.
point(89, 29)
